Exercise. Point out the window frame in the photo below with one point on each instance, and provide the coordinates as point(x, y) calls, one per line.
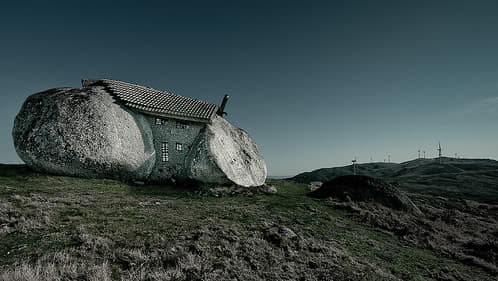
point(181, 125)
point(164, 152)
point(179, 146)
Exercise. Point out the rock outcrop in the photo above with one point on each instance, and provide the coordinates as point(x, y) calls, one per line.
point(358, 188)
point(224, 154)
point(82, 133)
point(87, 133)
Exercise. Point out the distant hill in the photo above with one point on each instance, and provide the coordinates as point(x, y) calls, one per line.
point(378, 169)
point(469, 178)
point(426, 167)
point(417, 167)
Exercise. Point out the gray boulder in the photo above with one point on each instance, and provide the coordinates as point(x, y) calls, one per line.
point(224, 153)
point(84, 133)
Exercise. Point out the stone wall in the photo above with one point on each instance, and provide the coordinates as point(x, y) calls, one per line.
point(172, 131)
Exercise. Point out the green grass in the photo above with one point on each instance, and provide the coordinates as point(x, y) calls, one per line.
point(63, 214)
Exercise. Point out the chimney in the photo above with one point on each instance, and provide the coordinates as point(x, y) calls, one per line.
point(87, 82)
point(221, 109)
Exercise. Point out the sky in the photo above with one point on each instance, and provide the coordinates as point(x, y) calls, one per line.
point(315, 83)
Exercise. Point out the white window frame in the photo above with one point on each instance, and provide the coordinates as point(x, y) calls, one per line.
point(164, 152)
point(179, 146)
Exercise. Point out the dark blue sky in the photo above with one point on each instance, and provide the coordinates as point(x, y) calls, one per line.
point(314, 82)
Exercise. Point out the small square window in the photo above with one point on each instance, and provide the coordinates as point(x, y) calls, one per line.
point(179, 146)
point(159, 121)
point(180, 125)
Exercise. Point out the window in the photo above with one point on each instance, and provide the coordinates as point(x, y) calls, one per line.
point(180, 125)
point(164, 152)
point(179, 146)
point(159, 121)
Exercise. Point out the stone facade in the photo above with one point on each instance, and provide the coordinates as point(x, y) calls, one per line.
point(173, 140)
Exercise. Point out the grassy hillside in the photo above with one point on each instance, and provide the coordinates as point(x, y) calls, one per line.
point(62, 228)
point(326, 174)
point(475, 179)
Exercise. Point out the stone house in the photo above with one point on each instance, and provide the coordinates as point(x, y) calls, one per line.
point(175, 121)
point(115, 129)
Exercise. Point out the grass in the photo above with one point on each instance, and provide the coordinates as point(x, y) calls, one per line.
point(96, 229)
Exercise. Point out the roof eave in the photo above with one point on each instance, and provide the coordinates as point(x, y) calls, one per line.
point(173, 116)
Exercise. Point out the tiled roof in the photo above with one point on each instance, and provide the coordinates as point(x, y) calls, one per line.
point(159, 103)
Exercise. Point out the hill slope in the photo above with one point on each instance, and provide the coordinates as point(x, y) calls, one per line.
point(78, 229)
point(462, 178)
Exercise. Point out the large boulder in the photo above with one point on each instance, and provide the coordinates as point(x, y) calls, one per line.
point(359, 188)
point(83, 132)
point(224, 153)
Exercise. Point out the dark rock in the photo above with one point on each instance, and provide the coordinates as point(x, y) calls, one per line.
point(279, 235)
point(365, 189)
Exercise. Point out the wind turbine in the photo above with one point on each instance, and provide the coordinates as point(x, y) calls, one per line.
point(419, 154)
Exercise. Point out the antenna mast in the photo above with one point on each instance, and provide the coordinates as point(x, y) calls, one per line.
point(354, 165)
point(439, 150)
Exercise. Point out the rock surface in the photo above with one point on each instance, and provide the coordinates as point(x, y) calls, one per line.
point(365, 189)
point(226, 154)
point(83, 132)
